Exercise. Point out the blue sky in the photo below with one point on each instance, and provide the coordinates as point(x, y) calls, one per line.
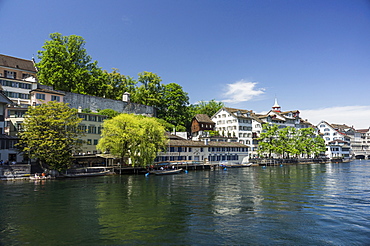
point(312, 55)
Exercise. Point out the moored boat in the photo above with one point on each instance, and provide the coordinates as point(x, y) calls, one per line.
point(227, 164)
point(88, 172)
point(166, 171)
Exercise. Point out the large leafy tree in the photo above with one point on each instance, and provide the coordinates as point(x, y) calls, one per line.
point(289, 141)
point(150, 91)
point(133, 137)
point(117, 84)
point(175, 106)
point(50, 134)
point(65, 65)
point(268, 139)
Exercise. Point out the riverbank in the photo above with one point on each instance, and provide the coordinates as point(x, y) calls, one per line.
point(24, 171)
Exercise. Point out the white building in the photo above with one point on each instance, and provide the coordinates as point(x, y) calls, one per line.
point(231, 122)
point(247, 125)
point(338, 143)
point(207, 150)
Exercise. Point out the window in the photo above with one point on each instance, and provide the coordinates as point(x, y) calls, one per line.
point(40, 96)
point(10, 74)
point(96, 141)
point(25, 75)
point(326, 129)
point(55, 98)
point(88, 142)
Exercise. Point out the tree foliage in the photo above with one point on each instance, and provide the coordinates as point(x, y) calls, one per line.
point(137, 138)
point(50, 134)
point(65, 65)
point(117, 84)
point(209, 108)
point(174, 108)
point(110, 113)
point(289, 141)
point(150, 91)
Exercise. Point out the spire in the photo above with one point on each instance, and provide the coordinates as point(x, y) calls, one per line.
point(276, 106)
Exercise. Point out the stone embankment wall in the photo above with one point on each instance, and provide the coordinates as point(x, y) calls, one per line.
point(98, 103)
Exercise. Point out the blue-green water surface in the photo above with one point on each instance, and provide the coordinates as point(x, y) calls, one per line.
point(318, 204)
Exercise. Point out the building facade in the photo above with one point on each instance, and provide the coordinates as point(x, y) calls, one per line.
point(200, 124)
point(207, 151)
point(337, 141)
point(17, 78)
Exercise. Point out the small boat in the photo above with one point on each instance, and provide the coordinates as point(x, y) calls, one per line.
point(88, 172)
point(40, 177)
point(166, 171)
point(226, 164)
point(92, 174)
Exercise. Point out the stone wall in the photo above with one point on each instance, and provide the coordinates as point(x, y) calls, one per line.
point(98, 103)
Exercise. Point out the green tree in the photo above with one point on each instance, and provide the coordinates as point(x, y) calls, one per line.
point(174, 106)
point(65, 65)
point(209, 108)
point(150, 92)
point(50, 134)
point(133, 137)
point(108, 112)
point(289, 141)
point(268, 139)
point(117, 84)
point(152, 140)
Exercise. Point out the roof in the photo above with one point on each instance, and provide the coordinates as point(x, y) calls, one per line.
point(5, 99)
point(341, 127)
point(363, 130)
point(203, 118)
point(48, 91)
point(238, 113)
point(17, 63)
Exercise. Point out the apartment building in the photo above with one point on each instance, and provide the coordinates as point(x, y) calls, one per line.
point(337, 139)
point(17, 78)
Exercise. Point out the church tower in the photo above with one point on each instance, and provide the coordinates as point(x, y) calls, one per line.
point(276, 106)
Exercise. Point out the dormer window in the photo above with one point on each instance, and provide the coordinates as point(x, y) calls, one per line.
point(10, 74)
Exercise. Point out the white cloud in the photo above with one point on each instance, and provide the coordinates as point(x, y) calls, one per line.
point(242, 91)
point(356, 116)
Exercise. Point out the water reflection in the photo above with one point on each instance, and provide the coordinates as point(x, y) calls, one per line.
point(322, 204)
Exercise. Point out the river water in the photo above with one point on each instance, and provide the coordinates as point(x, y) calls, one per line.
point(318, 204)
